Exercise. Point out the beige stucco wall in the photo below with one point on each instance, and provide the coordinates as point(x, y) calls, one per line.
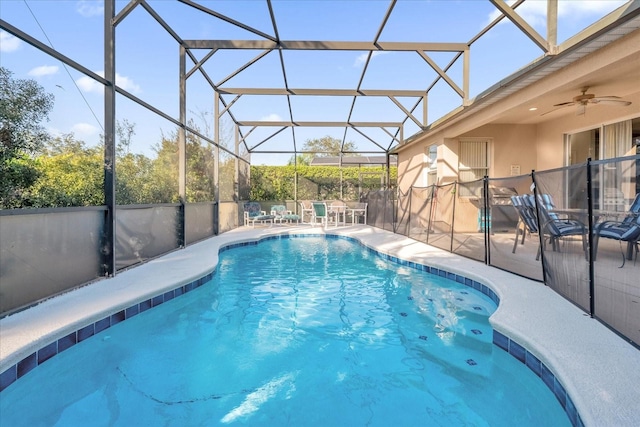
point(411, 167)
point(512, 145)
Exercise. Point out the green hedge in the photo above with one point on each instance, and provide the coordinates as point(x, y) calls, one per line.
point(316, 182)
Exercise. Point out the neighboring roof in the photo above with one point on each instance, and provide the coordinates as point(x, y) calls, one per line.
point(353, 161)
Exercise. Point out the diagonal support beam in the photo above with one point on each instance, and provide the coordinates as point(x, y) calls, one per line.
point(227, 19)
point(267, 138)
point(522, 24)
point(407, 112)
point(367, 137)
point(244, 67)
point(442, 73)
point(200, 63)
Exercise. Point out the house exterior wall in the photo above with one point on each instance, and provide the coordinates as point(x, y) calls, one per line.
point(411, 168)
point(512, 145)
point(531, 146)
point(517, 141)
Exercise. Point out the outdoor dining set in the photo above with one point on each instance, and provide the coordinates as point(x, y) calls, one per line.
point(311, 212)
point(558, 223)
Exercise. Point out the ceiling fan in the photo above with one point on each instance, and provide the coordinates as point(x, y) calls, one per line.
point(585, 98)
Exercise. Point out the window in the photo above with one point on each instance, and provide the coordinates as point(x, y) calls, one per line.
point(583, 145)
point(432, 165)
point(618, 180)
point(614, 182)
point(618, 139)
point(473, 162)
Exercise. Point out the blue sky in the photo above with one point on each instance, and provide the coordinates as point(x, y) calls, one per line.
point(147, 61)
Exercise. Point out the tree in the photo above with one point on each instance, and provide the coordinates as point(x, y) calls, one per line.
point(321, 147)
point(23, 106)
point(200, 168)
point(303, 159)
point(327, 146)
point(70, 174)
point(124, 131)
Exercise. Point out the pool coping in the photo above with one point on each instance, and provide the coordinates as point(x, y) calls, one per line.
point(594, 366)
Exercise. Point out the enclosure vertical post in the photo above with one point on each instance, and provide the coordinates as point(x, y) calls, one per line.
point(540, 230)
point(487, 220)
point(408, 229)
point(216, 156)
point(592, 295)
point(182, 149)
point(552, 25)
point(236, 163)
point(387, 189)
point(238, 176)
point(453, 214)
point(341, 182)
point(434, 195)
point(424, 113)
point(295, 184)
point(388, 171)
point(109, 246)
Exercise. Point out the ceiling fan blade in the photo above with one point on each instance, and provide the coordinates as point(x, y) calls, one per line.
point(619, 102)
point(564, 104)
point(606, 97)
point(561, 106)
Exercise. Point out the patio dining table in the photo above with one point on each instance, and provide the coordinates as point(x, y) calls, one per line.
point(343, 211)
point(340, 211)
point(357, 211)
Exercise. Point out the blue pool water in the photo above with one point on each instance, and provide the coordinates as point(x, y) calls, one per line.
point(299, 332)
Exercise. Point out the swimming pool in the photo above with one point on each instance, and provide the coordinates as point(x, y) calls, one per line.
point(356, 340)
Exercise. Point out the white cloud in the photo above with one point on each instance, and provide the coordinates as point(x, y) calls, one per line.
point(271, 118)
point(8, 43)
point(585, 8)
point(127, 84)
point(44, 70)
point(84, 130)
point(87, 84)
point(361, 59)
point(89, 8)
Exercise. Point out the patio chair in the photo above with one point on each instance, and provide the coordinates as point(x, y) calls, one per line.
point(281, 214)
point(527, 221)
point(553, 226)
point(306, 210)
point(627, 230)
point(253, 213)
point(321, 212)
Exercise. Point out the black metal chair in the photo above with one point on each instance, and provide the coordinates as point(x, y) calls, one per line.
point(627, 230)
point(555, 227)
point(527, 221)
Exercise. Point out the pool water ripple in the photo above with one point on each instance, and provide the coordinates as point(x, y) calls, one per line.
point(316, 332)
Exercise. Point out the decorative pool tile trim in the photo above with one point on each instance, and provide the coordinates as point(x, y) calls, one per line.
point(541, 370)
point(21, 368)
point(17, 371)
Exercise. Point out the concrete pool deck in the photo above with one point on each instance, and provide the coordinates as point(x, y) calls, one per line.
point(599, 370)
